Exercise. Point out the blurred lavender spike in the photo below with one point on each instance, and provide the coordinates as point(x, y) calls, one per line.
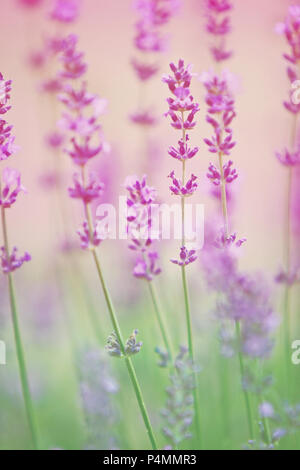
point(97, 387)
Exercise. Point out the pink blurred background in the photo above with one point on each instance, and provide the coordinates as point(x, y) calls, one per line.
point(105, 30)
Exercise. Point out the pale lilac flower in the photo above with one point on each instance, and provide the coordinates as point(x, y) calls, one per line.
point(52, 86)
point(242, 297)
point(86, 192)
point(153, 15)
point(76, 100)
point(7, 141)
point(10, 183)
point(11, 187)
point(230, 174)
point(83, 152)
point(89, 240)
point(81, 125)
point(55, 45)
point(139, 191)
point(288, 158)
point(49, 180)
point(5, 88)
point(97, 387)
point(55, 139)
point(248, 301)
point(266, 410)
point(219, 6)
point(183, 151)
point(220, 144)
point(278, 434)
point(143, 70)
point(288, 278)
point(222, 240)
point(65, 11)
point(179, 189)
point(139, 217)
point(10, 263)
point(74, 66)
point(81, 121)
point(290, 29)
point(131, 346)
point(146, 268)
point(158, 12)
point(179, 411)
point(221, 112)
point(138, 244)
point(185, 257)
point(7, 147)
point(182, 101)
point(30, 3)
point(182, 111)
point(144, 118)
point(182, 75)
point(149, 41)
point(218, 26)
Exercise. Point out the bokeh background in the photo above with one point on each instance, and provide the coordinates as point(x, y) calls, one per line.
point(54, 309)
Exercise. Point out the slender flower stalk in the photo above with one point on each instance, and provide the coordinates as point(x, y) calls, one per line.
point(178, 413)
point(218, 26)
point(220, 115)
point(290, 158)
point(140, 200)
point(86, 129)
point(149, 42)
point(181, 103)
point(246, 394)
point(245, 304)
point(10, 187)
point(221, 112)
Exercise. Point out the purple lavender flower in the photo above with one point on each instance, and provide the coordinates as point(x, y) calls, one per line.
point(185, 190)
point(146, 267)
point(86, 192)
point(183, 151)
point(65, 11)
point(266, 410)
point(178, 413)
point(11, 262)
point(140, 198)
point(218, 26)
point(230, 174)
point(97, 387)
point(185, 257)
point(11, 187)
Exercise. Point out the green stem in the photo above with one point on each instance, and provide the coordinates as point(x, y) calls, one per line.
point(286, 320)
point(187, 303)
point(265, 421)
point(223, 196)
point(187, 311)
point(160, 319)
point(19, 346)
point(225, 392)
point(267, 430)
point(117, 331)
point(246, 394)
point(128, 361)
point(191, 354)
point(287, 292)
